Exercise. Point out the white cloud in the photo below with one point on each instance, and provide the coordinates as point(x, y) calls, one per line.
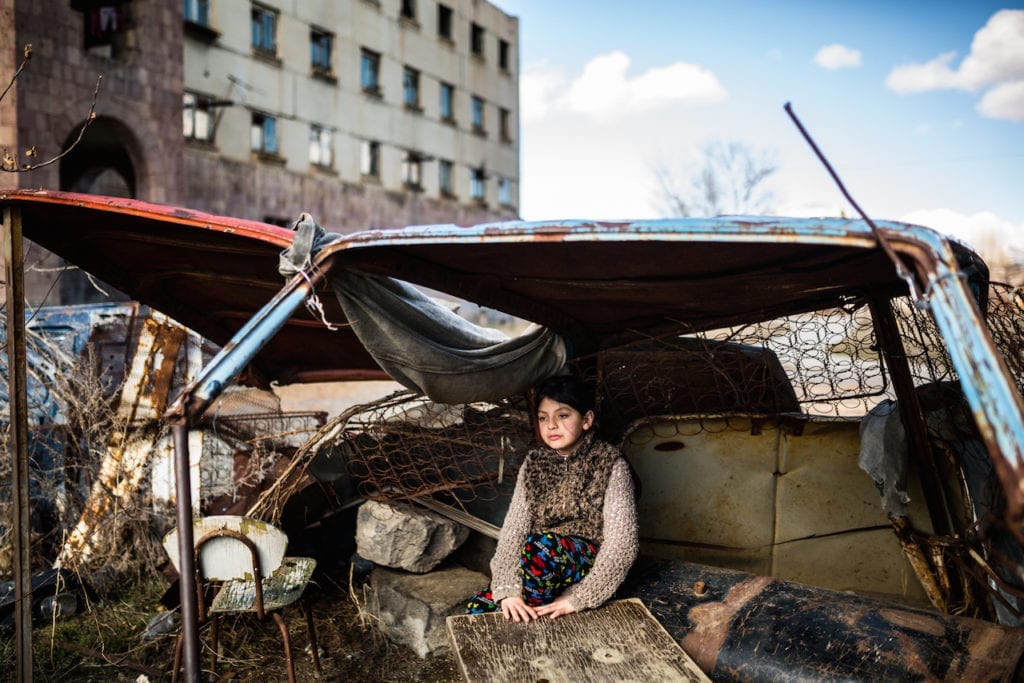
point(537, 86)
point(932, 75)
point(1005, 101)
point(997, 52)
point(605, 91)
point(985, 231)
point(996, 62)
point(837, 56)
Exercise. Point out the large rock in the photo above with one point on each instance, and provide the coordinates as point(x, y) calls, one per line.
point(401, 536)
point(412, 608)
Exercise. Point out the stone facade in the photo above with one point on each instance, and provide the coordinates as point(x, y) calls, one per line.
point(138, 107)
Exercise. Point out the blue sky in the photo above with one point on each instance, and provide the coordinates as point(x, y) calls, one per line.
point(918, 105)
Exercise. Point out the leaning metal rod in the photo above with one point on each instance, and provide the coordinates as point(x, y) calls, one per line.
point(886, 247)
point(190, 405)
point(14, 278)
point(243, 347)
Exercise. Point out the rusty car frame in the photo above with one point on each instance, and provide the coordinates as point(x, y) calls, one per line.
point(922, 333)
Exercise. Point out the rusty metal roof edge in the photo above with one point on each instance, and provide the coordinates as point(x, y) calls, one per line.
point(996, 404)
point(266, 232)
point(851, 232)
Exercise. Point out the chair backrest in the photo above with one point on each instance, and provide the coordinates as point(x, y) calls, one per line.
point(223, 558)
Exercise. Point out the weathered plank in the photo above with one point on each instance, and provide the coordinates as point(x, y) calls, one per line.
point(620, 641)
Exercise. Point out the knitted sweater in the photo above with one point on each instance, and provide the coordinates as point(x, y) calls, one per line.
point(616, 532)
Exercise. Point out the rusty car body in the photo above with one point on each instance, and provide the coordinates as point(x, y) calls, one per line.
point(752, 368)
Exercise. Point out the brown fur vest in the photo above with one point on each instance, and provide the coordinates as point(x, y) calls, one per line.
point(566, 493)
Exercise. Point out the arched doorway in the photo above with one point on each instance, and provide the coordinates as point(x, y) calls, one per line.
point(103, 162)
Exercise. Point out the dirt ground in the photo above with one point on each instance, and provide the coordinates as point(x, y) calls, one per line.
point(355, 651)
point(106, 644)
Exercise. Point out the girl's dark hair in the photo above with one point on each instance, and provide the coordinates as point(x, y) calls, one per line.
point(568, 390)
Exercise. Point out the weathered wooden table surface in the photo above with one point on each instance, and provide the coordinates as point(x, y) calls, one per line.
point(619, 641)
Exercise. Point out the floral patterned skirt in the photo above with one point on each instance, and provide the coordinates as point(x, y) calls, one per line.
point(549, 563)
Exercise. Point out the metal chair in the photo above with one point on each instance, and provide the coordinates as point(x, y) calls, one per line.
point(261, 580)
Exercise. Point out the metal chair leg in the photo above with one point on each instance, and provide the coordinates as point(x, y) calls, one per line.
point(287, 646)
point(307, 609)
point(177, 657)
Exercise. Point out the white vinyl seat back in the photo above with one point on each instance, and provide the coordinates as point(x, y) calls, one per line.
point(224, 559)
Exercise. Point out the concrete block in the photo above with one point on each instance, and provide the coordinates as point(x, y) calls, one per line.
point(401, 536)
point(412, 608)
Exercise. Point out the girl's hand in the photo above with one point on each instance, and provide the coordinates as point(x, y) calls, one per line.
point(517, 610)
point(556, 608)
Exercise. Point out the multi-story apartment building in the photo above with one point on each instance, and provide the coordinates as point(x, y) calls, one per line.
point(365, 113)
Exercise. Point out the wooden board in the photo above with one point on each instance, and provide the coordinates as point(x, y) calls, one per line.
point(619, 641)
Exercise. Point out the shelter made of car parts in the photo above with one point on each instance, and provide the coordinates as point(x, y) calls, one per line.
point(829, 442)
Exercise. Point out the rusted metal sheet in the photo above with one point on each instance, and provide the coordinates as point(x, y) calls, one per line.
point(744, 627)
point(143, 400)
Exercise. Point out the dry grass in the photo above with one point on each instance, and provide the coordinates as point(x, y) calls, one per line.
point(106, 644)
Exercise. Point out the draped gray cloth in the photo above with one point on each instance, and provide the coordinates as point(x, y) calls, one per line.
point(424, 345)
point(884, 455)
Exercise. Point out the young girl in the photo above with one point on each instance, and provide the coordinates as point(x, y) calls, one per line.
point(570, 534)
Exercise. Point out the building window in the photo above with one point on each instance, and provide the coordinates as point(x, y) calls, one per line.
point(264, 29)
point(197, 117)
point(478, 114)
point(321, 146)
point(196, 11)
point(369, 159)
point(504, 191)
point(505, 124)
point(412, 171)
point(369, 73)
point(106, 28)
point(408, 10)
point(263, 134)
point(444, 178)
point(321, 45)
point(477, 176)
point(503, 55)
point(411, 88)
point(476, 39)
point(444, 21)
point(447, 102)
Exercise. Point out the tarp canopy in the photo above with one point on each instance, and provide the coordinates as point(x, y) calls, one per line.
point(422, 344)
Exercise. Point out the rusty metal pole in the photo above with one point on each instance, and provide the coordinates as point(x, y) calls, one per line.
point(186, 553)
point(14, 279)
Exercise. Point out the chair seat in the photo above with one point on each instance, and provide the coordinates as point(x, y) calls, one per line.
point(281, 588)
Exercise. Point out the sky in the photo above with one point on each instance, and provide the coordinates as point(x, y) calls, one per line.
point(919, 106)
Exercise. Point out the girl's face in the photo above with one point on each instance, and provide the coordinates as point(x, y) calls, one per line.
point(562, 426)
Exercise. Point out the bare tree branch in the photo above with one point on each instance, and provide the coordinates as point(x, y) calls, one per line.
point(732, 180)
point(27, 56)
point(10, 163)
